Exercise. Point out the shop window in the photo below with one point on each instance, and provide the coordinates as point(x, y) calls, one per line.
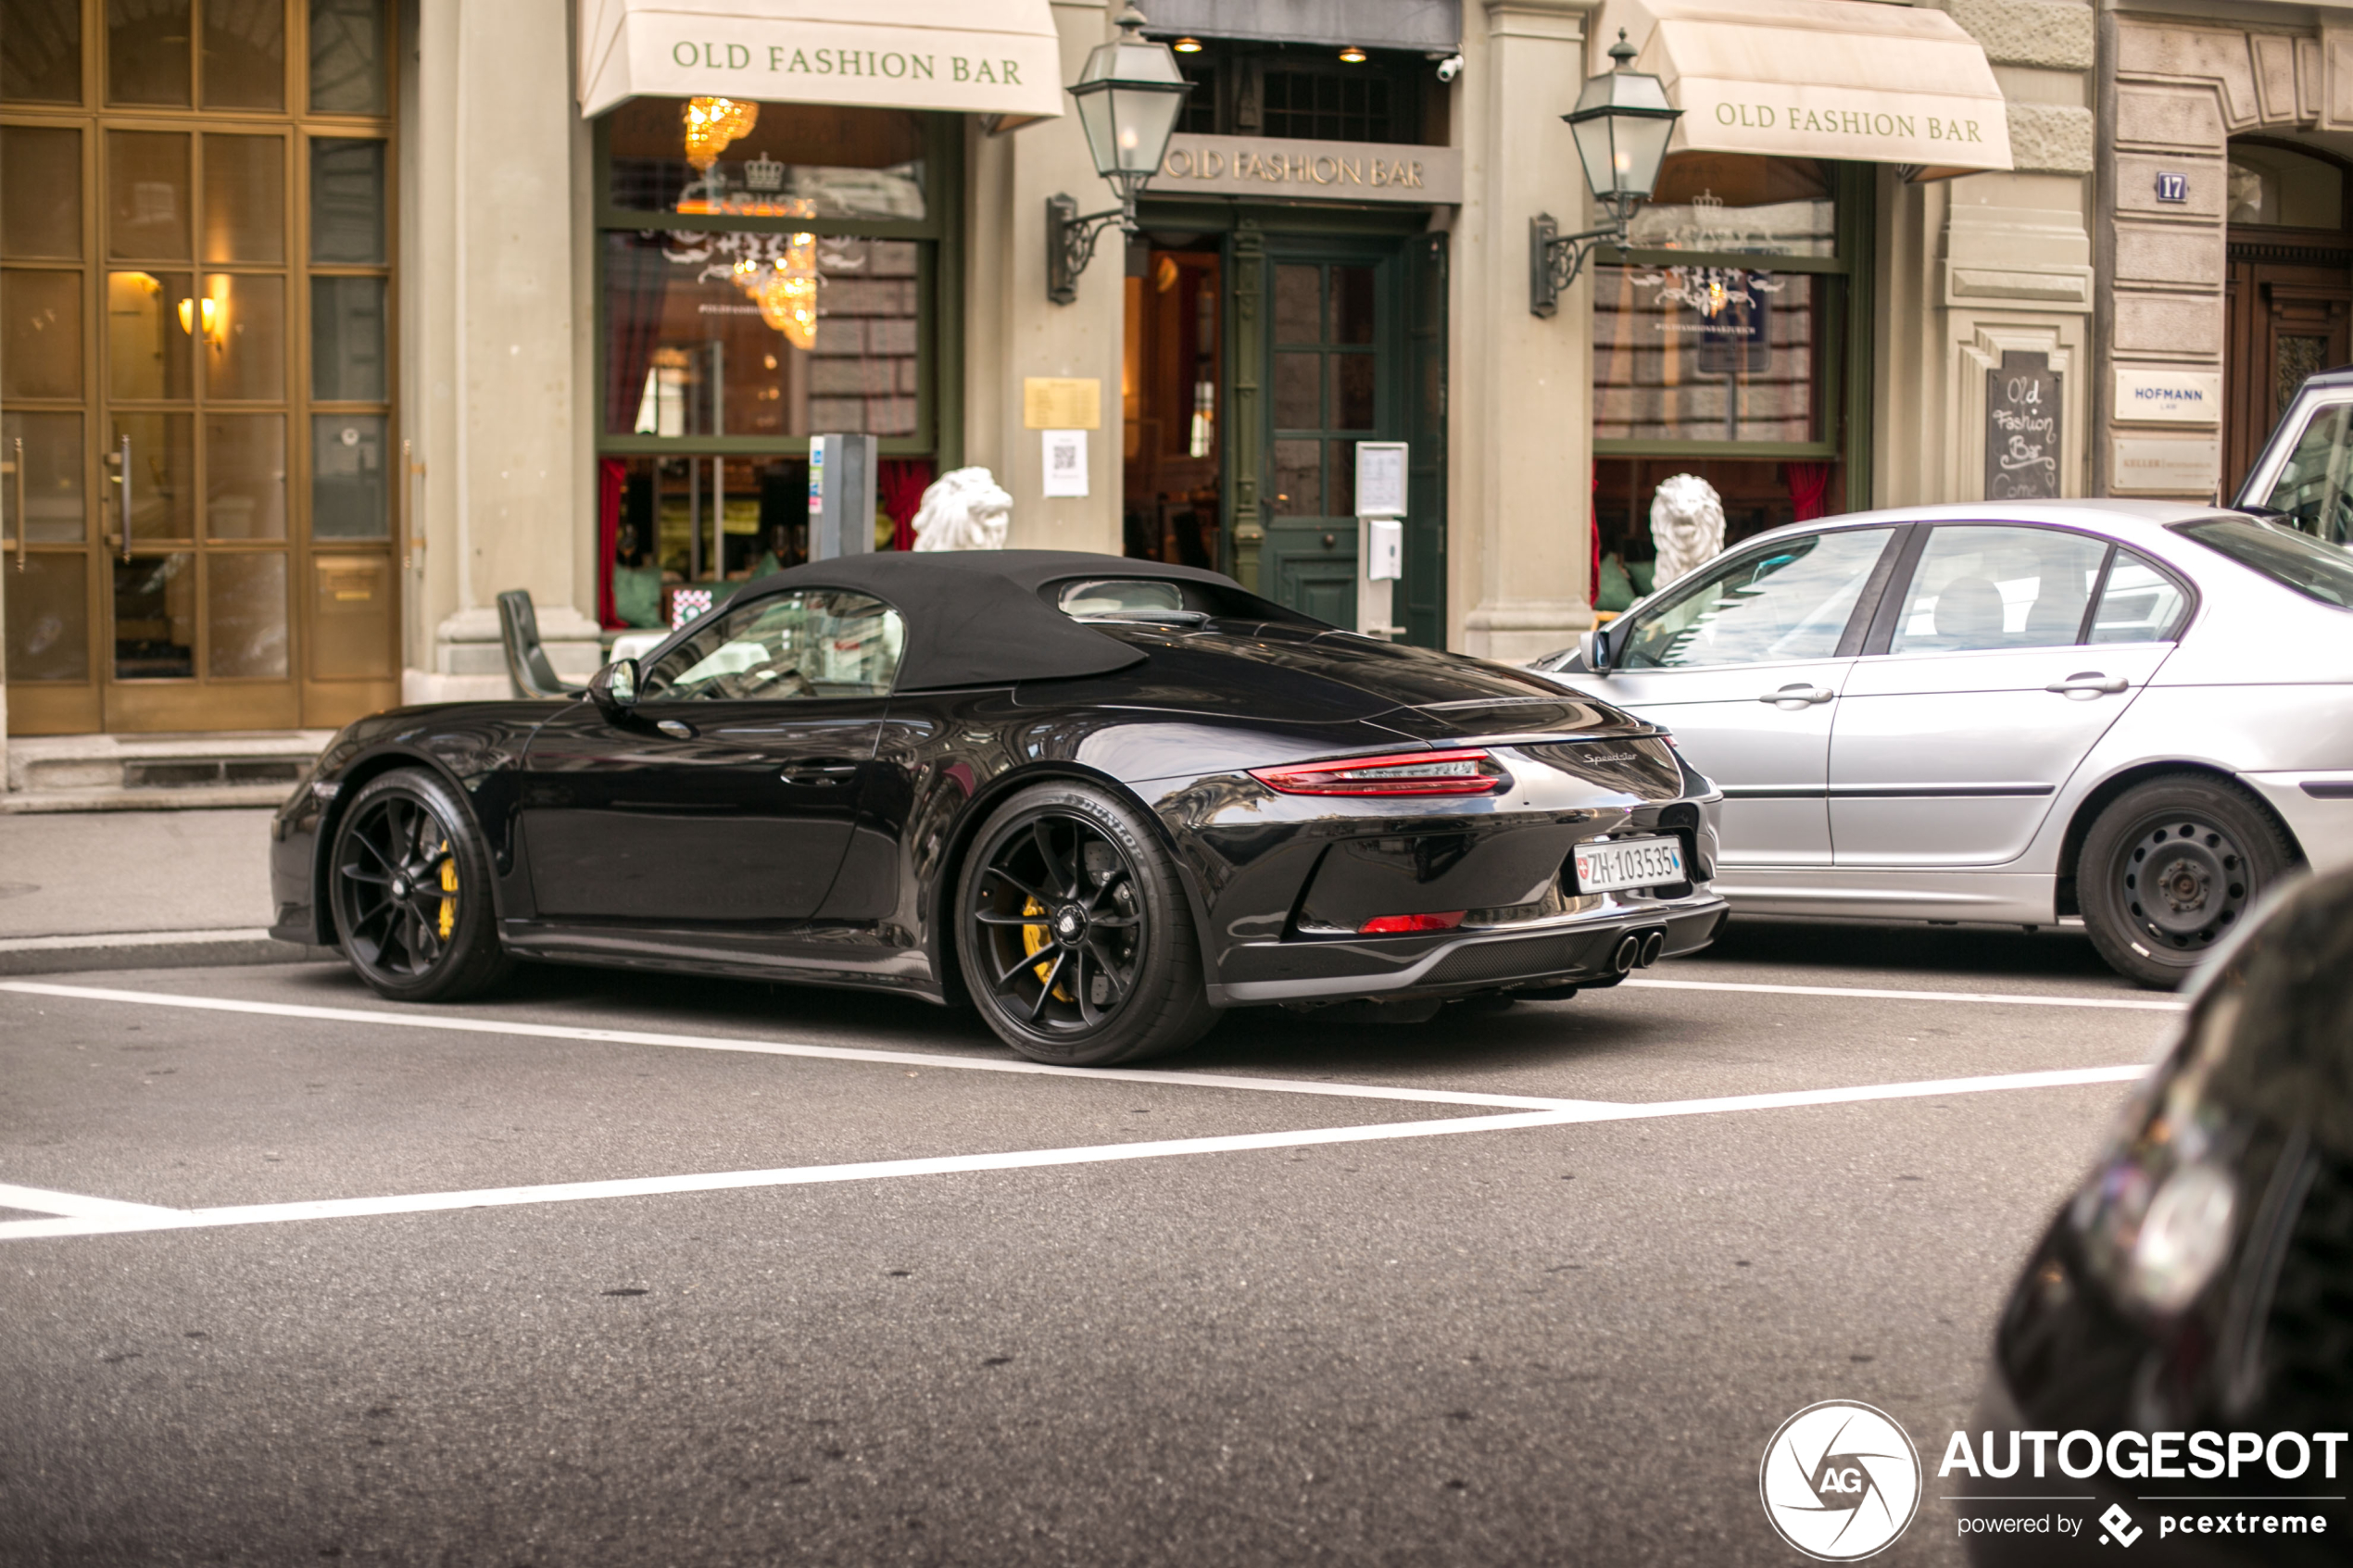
point(767, 272)
point(1244, 88)
point(1722, 338)
point(795, 161)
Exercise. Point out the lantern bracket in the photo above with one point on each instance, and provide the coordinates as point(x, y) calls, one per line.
point(1554, 259)
point(1070, 242)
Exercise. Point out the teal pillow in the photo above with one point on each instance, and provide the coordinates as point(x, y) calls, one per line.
point(1643, 574)
point(1615, 590)
point(636, 594)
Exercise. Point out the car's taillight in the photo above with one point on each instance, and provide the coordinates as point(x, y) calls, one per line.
point(1404, 773)
point(1442, 920)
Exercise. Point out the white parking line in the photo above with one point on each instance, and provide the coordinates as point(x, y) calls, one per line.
point(41, 1200)
point(2007, 998)
point(566, 1192)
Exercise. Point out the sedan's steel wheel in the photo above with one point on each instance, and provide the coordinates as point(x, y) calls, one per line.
point(1062, 926)
point(1073, 931)
point(408, 885)
point(2169, 869)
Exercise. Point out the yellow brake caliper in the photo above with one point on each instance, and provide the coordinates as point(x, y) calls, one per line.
point(449, 891)
point(1035, 939)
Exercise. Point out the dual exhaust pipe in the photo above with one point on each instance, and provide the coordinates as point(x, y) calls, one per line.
point(1636, 949)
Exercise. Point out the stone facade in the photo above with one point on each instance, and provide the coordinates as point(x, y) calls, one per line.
point(2174, 89)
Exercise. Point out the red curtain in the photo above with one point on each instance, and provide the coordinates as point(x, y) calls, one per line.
point(1593, 529)
point(902, 481)
point(613, 483)
point(1809, 487)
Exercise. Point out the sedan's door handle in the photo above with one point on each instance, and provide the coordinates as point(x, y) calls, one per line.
point(1799, 692)
point(2089, 683)
point(819, 772)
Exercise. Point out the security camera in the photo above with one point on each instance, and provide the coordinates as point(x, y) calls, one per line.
point(1449, 67)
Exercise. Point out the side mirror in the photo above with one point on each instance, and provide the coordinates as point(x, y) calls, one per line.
point(1595, 647)
point(614, 688)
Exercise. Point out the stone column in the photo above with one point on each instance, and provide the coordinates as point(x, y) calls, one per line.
point(492, 399)
point(1015, 331)
point(1520, 425)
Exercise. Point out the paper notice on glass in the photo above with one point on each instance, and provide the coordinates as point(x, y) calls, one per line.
point(1381, 479)
point(1066, 462)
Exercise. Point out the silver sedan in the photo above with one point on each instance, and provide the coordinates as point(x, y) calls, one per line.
point(2139, 713)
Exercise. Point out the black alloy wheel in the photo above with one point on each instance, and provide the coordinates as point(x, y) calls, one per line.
point(2170, 869)
point(1073, 933)
point(410, 888)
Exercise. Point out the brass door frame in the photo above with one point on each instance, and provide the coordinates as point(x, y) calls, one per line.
point(316, 570)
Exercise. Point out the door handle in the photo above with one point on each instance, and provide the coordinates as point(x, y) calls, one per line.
point(2088, 683)
point(807, 773)
point(14, 469)
point(1798, 692)
point(121, 460)
point(674, 729)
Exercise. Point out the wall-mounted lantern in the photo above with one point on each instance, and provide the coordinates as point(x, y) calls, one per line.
point(1621, 124)
point(1129, 96)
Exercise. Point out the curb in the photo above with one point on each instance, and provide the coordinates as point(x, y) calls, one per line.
point(152, 949)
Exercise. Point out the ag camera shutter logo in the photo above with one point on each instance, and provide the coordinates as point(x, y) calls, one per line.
point(1840, 1481)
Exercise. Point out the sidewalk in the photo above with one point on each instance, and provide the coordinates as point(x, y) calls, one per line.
point(136, 890)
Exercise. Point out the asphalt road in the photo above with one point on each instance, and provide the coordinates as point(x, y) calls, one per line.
point(840, 1309)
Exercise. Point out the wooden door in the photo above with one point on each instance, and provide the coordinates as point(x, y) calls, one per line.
point(2289, 319)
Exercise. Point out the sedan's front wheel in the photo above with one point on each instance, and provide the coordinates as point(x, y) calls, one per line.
point(409, 887)
point(1073, 933)
point(2170, 868)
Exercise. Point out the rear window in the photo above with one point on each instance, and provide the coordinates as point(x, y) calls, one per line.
point(1173, 602)
point(2291, 560)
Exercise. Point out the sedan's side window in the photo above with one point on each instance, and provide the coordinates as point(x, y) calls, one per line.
point(1981, 586)
point(1791, 601)
point(2315, 486)
point(2138, 604)
point(815, 643)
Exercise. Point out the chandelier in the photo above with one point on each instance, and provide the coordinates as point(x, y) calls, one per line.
point(711, 123)
point(784, 284)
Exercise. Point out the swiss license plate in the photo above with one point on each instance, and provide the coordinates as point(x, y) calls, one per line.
point(1628, 863)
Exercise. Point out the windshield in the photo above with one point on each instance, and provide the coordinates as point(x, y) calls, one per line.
point(2291, 560)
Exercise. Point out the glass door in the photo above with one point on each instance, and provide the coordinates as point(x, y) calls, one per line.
point(200, 512)
point(1334, 353)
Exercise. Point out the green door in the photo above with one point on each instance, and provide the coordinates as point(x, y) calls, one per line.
point(1334, 375)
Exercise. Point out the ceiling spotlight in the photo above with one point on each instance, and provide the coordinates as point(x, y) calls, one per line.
point(1186, 46)
point(1352, 55)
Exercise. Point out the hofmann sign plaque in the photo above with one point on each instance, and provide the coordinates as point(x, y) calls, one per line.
point(1287, 169)
point(2169, 397)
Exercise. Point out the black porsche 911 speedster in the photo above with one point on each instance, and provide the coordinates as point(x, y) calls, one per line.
point(1101, 798)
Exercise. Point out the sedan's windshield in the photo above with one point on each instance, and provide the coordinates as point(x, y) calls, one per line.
point(2291, 560)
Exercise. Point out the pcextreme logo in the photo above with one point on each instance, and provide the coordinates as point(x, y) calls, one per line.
point(1840, 1481)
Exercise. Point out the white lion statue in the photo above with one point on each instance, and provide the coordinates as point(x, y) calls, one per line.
point(967, 509)
point(1687, 524)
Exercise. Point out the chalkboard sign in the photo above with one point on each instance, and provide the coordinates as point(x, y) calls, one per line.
point(2022, 429)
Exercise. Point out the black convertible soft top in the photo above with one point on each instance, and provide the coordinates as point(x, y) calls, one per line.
point(976, 618)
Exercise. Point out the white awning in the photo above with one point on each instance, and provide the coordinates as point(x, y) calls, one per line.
point(1828, 78)
point(973, 57)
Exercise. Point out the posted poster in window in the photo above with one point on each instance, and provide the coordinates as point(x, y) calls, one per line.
point(1381, 479)
point(1066, 463)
